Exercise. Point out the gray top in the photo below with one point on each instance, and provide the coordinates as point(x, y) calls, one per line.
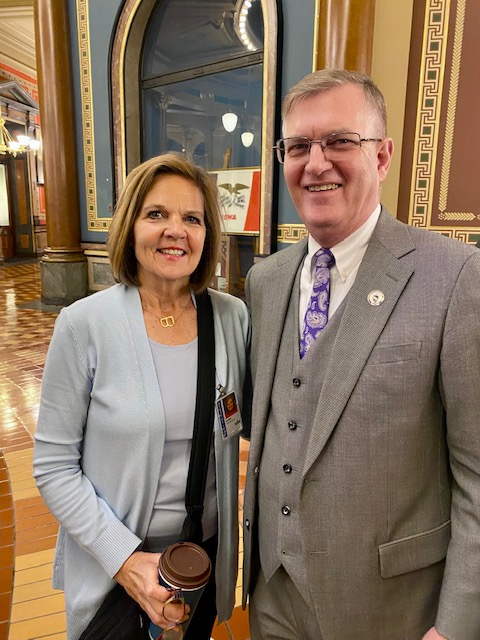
point(176, 368)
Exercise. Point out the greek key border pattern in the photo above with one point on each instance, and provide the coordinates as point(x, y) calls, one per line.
point(428, 110)
point(454, 216)
point(93, 223)
point(452, 106)
point(428, 121)
point(291, 233)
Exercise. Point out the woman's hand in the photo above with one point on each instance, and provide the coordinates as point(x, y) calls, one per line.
point(139, 577)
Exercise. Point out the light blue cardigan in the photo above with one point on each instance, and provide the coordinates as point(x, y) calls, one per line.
point(99, 443)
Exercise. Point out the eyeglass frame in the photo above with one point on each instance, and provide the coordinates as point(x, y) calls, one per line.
point(279, 151)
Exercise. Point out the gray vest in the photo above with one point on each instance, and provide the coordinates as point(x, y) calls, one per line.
point(295, 393)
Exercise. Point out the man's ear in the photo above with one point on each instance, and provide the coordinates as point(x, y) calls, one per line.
point(384, 157)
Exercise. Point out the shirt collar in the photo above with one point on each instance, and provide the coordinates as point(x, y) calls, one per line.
point(348, 253)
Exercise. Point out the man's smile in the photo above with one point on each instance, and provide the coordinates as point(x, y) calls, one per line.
point(323, 187)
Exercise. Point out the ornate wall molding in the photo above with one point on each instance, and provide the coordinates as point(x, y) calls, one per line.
point(88, 130)
point(442, 195)
point(450, 120)
point(428, 111)
point(125, 63)
point(291, 233)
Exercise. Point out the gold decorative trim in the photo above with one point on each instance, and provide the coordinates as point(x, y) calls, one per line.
point(126, 24)
point(316, 31)
point(122, 33)
point(88, 128)
point(291, 233)
point(434, 50)
point(454, 216)
point(428, 122)
point(452, 105)
point(270, 61)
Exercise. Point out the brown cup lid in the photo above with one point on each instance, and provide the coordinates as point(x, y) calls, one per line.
point(185, 565)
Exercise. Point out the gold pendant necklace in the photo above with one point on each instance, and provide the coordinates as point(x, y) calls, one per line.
point(166, 321)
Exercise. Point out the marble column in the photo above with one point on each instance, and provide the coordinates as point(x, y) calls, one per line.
point(63, 266)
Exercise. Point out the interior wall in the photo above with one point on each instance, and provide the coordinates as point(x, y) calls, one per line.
point(391, 45)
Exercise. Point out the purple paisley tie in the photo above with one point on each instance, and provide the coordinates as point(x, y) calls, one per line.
point(316, 316)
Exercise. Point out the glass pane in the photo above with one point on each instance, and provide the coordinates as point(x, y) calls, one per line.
point(188, 116)
point(189, 33)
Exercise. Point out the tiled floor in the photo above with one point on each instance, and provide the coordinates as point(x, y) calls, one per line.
point(29, 608)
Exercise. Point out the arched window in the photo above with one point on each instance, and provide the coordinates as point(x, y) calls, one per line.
point(192, 77)
point(201, 82)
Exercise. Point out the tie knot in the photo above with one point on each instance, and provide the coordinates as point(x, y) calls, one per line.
point(324, 258)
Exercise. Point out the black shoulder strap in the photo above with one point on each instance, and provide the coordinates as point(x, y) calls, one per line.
point(203, 424)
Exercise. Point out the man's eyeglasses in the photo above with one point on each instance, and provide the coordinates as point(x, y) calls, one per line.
point(334, 146)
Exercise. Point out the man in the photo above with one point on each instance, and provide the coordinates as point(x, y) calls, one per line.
point(362, 502)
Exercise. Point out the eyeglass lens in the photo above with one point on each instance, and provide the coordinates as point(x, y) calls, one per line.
point(333, 146)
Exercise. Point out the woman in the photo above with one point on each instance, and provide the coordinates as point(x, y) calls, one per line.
point(115, 426)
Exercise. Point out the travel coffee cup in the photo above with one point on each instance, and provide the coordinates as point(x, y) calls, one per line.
point(184, 568)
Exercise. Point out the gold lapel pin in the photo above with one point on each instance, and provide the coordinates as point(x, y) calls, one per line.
point(375, 298)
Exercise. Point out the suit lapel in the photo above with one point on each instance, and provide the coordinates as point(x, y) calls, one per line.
point(361, 325)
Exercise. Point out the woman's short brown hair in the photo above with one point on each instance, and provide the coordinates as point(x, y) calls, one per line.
point(120, 242)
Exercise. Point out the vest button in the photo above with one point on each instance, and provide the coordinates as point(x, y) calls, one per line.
point(296, 383)
point(286, 510)
point(247, 525)
point(287, 468)
point(256, 471)
point(292, 425)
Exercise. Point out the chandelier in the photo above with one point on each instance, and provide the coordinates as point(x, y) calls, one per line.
point(22, 144)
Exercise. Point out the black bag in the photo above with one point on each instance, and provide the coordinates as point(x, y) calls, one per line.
point(120, 617)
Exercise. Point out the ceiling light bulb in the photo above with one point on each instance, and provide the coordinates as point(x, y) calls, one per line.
point(229, 121)
point(23, 140)
point(247, 138)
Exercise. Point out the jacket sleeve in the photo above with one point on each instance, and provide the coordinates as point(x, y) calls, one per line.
point(70, 495)
point(458, 615)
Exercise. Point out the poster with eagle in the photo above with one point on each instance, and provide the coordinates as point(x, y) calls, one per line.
point(240, 199)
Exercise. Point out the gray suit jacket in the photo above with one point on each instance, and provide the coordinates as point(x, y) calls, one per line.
point(390, 502)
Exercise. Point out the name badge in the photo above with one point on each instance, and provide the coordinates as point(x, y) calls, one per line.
point(229, 415)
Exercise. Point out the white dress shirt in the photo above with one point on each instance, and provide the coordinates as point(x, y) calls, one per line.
point(348, 256)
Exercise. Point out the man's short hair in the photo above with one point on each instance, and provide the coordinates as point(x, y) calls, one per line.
point(327, 79)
